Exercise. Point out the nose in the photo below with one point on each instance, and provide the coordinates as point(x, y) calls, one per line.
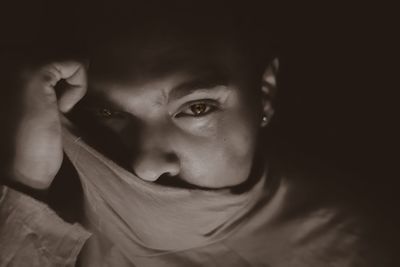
point(151, 165)
point(154, 155)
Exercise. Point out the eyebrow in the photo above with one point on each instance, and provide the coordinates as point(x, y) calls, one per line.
point(205, 82)
point(189, 87)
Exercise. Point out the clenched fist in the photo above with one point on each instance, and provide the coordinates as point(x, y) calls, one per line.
point(35, 145)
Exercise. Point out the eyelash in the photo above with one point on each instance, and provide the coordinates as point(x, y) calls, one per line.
point(210, 106)
point(105, 113)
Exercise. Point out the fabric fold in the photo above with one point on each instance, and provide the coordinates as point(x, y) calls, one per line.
point(144, 218)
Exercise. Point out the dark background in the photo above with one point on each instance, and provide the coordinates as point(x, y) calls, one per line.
point(333, 102)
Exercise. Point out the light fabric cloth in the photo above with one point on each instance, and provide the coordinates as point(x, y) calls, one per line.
point(32, 235)
point(283, 223)
point(292, 218)
point(143, 218)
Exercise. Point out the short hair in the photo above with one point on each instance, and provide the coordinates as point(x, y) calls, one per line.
point(151, 27)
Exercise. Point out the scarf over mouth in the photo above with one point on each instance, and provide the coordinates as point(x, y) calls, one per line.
point(143, 218)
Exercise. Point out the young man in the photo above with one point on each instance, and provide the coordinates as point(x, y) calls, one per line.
point(166, 137)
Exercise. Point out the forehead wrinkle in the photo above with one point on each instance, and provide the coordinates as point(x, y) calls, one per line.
point(157, 93)
point(142, 98)
point(163, 99)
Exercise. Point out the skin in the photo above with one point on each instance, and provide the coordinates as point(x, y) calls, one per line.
point(194, 125)
point(32, 142)
point(187, 127)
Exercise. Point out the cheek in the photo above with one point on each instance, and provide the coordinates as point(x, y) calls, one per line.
point(239, 130)
point(223, 159)
point(239, 142)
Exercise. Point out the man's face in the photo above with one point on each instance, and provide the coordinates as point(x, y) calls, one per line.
point(195, 124)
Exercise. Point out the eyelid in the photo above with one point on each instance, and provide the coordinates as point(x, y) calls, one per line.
point(214, 104)
point(218, 93)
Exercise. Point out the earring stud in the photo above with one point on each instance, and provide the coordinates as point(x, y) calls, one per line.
point(264, 118)
point(264, 121)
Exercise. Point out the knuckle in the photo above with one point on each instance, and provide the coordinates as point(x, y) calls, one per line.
point(50, 74)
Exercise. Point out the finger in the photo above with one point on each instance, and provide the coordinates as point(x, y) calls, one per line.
point(77, 86)
point(60, 70)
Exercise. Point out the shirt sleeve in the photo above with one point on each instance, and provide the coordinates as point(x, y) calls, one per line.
point(31, 234)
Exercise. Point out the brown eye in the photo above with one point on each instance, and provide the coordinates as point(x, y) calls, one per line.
point(199, 109)
point(106, 113)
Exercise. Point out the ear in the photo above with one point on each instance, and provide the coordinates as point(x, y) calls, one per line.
point(268, 91)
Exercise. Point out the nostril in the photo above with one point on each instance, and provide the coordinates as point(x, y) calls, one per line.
point(173, 181)
point(165, 179)
point(154, 166)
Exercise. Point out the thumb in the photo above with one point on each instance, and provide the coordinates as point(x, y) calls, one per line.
point(75, 90)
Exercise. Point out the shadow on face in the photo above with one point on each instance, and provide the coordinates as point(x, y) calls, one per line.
point(174, 108)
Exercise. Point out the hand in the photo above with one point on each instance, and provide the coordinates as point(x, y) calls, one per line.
point(35, 145)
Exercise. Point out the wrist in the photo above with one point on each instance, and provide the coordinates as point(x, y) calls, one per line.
point(39, 193)
point(31, 177)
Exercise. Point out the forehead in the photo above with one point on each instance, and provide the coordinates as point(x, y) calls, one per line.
point(175, 83)
point(130, 61)
point(125, 73)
